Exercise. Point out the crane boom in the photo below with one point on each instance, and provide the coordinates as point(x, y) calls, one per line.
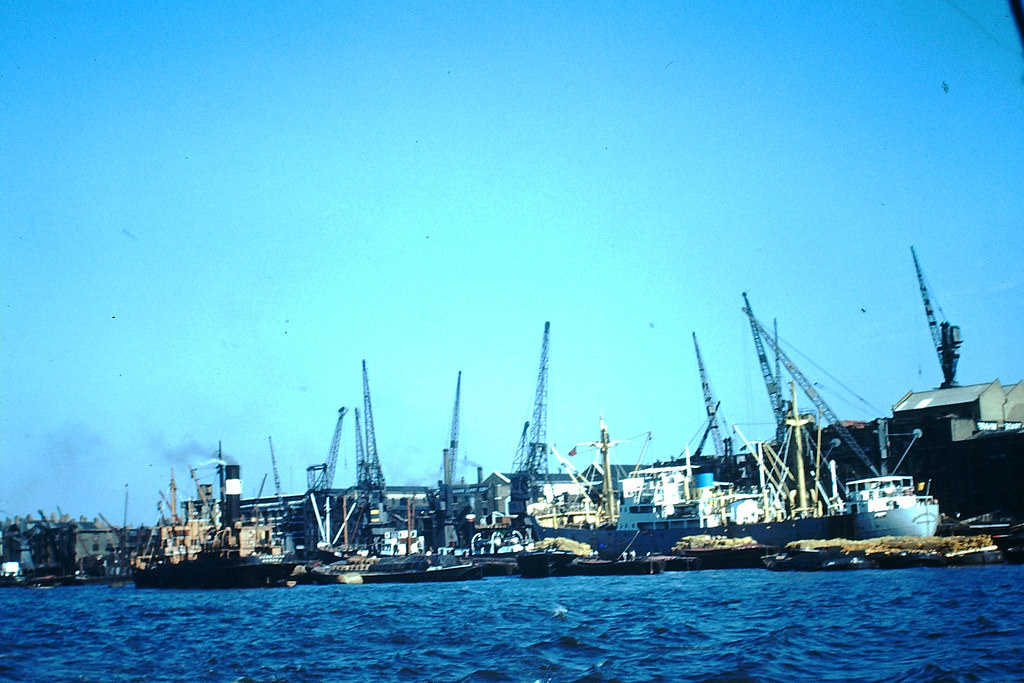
point(372, 478)
point(539, 425)
point(531, 459)
point(771, 379)
point(360, 453)
point(710, 405)
point(812, 394)
point(453, 441)
point(273, 465)
point(332, 454)
point(933, 325)
point(945, 337)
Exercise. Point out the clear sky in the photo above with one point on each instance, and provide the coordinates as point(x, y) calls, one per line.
point(211, 215)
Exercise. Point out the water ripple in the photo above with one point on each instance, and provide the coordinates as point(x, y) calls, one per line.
point(745, 625)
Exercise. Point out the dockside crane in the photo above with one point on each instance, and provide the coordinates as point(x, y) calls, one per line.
point(723, 446)
point(452, 452)
point(368, 509)
point(321, 477)
point(945, 337)
point(811, 393)
point(445, 525)
point(771, 378)
point(370, 477)
point(531, 461)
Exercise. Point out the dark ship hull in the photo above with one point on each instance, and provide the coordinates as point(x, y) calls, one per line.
point(216, 572)
point(612, 543)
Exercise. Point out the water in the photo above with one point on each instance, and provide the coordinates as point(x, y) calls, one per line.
point(954, 624)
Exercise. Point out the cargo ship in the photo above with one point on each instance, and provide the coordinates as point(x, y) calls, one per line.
point(664, 503)
point(213, 546)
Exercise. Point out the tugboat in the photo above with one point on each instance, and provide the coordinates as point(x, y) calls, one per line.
point(199, 552)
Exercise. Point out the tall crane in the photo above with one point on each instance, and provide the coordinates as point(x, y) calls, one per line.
point(446, 528)
point(368, 510)
point(370, 478)
point(531, 459)
point(771, 379)
point(945, 337)
point(451, 453)
point(812, 394)
point(710, 405)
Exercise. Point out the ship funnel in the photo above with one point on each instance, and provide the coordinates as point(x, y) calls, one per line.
point(232, 494)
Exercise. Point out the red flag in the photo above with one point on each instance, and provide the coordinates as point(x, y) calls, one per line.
point(573, 451)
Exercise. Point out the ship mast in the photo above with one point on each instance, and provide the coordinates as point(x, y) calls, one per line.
point(609, 503)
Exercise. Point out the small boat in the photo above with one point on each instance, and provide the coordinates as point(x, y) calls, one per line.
point(745, 556)
point(987, 555)
point(681, 563)
point(816, 559)
point(496, 565)
point(544, 563)
point(415, 568)
point(905, 559)
point(595, 567)
point(458, 572)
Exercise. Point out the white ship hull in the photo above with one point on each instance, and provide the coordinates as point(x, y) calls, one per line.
point(922, 519)
point(890, 506)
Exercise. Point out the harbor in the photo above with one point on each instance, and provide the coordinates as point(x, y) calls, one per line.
point(512, 342)
point(785, 502)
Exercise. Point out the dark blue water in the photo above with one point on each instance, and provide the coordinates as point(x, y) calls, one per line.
point(955, 624)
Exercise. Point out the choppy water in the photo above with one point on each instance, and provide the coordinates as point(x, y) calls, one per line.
point(955, 624)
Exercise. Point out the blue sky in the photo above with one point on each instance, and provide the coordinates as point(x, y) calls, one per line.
point(210, 217)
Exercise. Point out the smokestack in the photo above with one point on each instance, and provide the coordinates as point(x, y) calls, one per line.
point(232, 494)
point(479, 475)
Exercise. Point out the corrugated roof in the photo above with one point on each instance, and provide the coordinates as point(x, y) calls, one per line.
point(941, 397)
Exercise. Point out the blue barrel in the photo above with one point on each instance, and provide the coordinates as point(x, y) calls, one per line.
point(704, 479)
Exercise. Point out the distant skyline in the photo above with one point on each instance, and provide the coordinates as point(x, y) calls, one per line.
point(211, 215)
